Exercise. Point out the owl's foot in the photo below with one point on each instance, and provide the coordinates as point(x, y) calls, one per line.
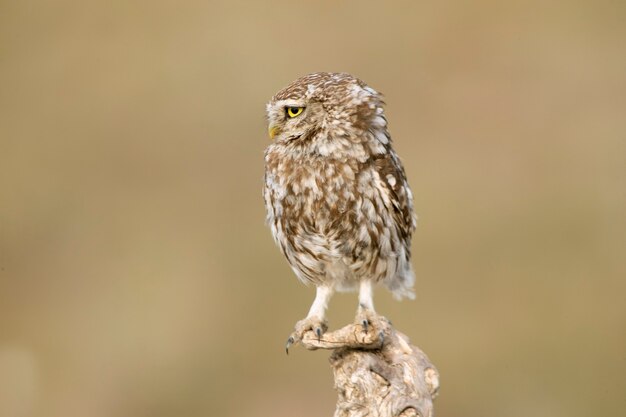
point(370, 321)
point(310, 324)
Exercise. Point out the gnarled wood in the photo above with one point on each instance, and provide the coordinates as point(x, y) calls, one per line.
point(378, 373)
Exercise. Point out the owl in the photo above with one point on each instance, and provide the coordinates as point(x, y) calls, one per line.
point(337, 198)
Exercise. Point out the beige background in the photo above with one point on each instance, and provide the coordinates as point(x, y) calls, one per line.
point(137, 277)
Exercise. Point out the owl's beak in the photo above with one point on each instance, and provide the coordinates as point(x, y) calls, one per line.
point(273, 131)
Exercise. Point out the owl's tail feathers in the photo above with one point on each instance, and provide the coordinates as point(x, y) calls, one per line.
point(401, 285)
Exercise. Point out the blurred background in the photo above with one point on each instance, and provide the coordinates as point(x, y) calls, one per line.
point(137, 277)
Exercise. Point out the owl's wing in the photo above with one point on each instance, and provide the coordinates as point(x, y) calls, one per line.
point(396, 187)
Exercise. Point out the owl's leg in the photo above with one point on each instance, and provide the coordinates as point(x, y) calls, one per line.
point(366, 295)
point(366, 315)
point(320, 304)
point(316, 319)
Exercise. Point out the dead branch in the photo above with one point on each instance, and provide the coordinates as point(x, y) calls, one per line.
point(378, 373)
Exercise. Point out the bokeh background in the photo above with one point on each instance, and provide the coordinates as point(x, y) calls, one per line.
point(137, 277)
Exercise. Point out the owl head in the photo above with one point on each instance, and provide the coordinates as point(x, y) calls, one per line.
point(329, 114)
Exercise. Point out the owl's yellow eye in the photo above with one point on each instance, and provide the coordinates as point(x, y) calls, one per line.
point(294, 111)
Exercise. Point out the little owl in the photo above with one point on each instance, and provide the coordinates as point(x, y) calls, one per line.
point(337, 199)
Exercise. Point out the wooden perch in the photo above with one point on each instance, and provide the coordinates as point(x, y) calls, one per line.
point(378, 373)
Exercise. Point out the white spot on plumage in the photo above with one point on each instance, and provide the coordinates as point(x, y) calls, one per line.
point(348, 172)
point(371, 91)
point(364, 235)
point(381, 136)
point(379, 122)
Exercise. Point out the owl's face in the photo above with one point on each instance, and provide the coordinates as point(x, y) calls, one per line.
point(292, 119)
point(328, 114)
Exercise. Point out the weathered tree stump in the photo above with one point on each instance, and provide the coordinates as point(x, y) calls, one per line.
point(378, 373)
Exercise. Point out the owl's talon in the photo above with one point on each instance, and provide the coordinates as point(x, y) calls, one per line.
point(365, 323)
point(318, 333)
point(290, 341)
point(373, 325)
